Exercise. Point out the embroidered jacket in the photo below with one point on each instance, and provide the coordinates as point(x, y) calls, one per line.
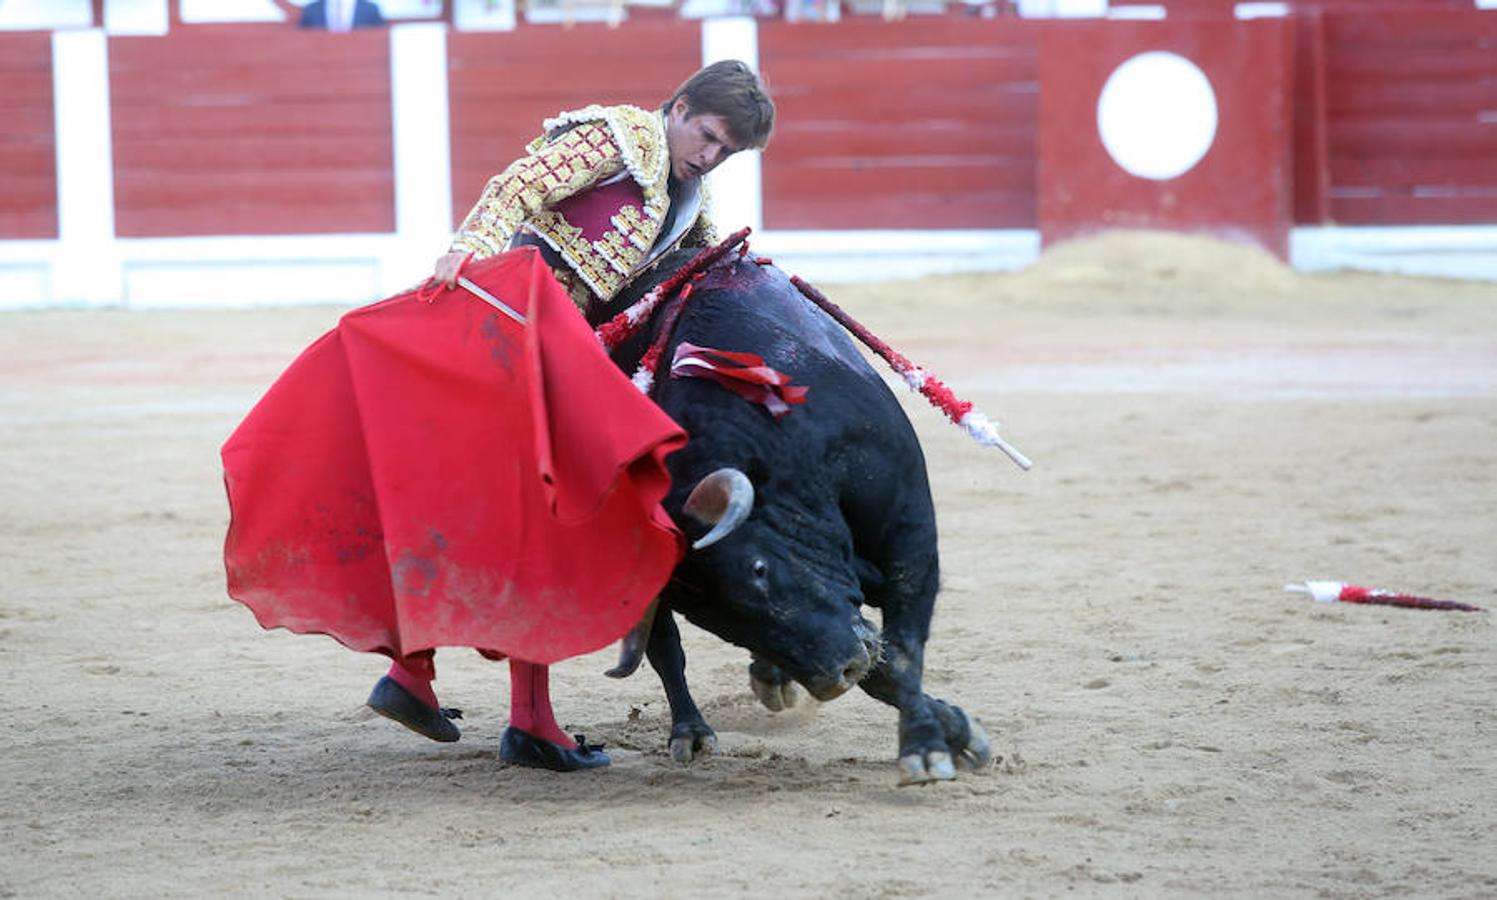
point(594, 187)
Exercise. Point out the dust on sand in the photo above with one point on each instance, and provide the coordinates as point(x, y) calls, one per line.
point(1206, 426)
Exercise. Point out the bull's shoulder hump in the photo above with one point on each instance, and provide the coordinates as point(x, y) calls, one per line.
point(769, 309)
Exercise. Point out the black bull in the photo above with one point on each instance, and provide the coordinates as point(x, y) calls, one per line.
point(832, 512)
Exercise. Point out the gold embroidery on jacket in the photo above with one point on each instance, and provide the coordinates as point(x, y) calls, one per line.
point(597, 143)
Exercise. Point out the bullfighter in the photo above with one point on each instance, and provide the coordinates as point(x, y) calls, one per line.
point(602, 194)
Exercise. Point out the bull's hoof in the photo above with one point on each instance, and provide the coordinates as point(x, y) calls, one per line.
point(977, 754)
point(691, 740)
point(925, 768)
point(777, 697)
point(776, 691)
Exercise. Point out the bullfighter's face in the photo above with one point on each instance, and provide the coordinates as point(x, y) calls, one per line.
point(697, 144)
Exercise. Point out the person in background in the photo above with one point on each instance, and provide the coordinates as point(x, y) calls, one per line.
point(341, 15)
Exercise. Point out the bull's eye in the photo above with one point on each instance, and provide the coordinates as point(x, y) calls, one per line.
point(761, 568)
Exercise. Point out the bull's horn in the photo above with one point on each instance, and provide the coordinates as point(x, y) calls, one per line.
point(632, 647)
point(724, 500)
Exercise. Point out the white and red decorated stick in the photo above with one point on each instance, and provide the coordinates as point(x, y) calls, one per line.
point(624, 325)
point(978, 426)
point(1341, 592)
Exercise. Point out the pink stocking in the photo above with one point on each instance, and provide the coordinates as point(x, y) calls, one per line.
point(530, 703)
point(415, 673)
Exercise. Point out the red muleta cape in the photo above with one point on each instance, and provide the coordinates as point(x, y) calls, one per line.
point(437, 474)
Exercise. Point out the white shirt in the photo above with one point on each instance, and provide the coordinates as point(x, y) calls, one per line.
point(340, 14)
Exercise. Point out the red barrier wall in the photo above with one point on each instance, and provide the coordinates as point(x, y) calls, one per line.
point(1179, 9)
point(251, 130)
point(28, 146)
point(502, 85)
point(1310, 174)
point(930, 122)
point(1239, 189)
point(921, 123)
point(1411, 116)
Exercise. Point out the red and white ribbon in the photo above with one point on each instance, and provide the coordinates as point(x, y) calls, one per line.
point(745, 374)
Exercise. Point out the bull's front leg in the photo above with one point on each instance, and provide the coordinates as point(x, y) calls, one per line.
point(924, 755)
point(935, 737)
point(691, 736)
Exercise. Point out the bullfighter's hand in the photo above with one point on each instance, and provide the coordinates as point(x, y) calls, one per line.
point(447, 268)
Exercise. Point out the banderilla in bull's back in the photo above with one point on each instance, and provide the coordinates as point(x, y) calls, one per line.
point(624, 325)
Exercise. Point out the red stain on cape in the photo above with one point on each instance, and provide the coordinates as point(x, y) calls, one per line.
point(437, 474)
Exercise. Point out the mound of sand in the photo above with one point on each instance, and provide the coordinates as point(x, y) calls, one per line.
point(1137, 276)
point(1165, 261)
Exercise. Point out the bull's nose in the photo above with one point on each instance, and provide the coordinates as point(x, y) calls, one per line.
point(873, 644)
point(857, 669)
point(829, 687)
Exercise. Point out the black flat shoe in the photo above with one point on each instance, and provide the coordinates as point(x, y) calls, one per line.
point(524, 749)
point(393, 701)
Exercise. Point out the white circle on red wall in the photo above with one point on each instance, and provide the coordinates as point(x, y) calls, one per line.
point(1157, 115)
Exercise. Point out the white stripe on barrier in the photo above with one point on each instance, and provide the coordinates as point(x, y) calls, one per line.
point(423, 170)
point(736, 187)
point(86, 267)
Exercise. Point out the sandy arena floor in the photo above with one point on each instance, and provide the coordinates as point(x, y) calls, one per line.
point(1207, 427)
